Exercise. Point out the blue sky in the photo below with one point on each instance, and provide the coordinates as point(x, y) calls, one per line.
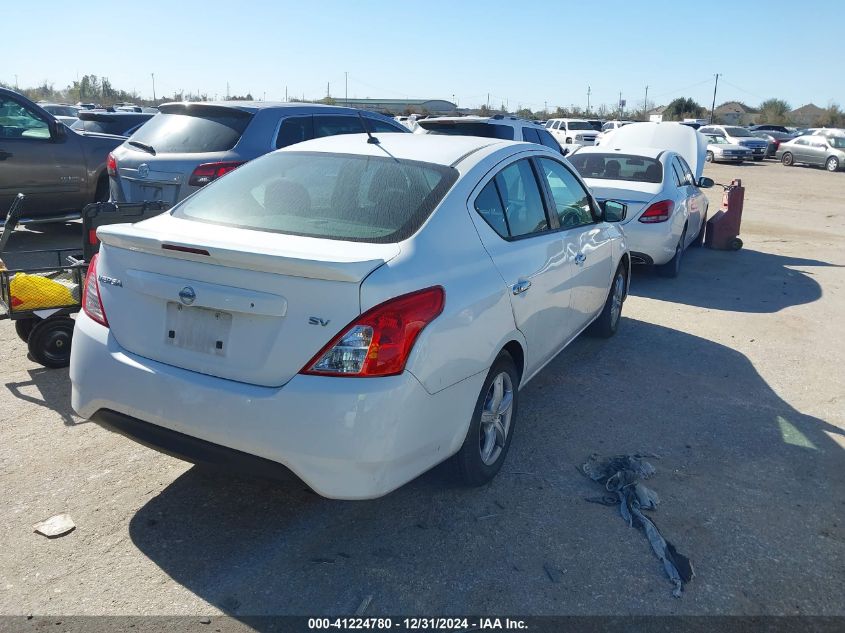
point(524, 53)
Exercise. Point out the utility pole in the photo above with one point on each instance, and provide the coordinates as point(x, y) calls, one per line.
point(488, 100)
point(286, 94)
point(328, 90)
point(346, 88)
point(16, 82)
point(227, 91)
point(713, 109)
point(546, 108)
point(588, 99)
point(153, 75)
point(645, 103)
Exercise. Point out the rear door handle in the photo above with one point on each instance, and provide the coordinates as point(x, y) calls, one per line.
point(580, 258)
point(4, 154)
point(520, 286)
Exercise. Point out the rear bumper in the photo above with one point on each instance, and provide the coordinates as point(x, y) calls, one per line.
point(188, 448)
point(346, 438)
point(652, 243)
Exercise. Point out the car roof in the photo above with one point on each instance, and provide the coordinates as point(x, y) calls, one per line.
point(254, 106)
point(513, 121)
point(428, 148)
point(646, 152)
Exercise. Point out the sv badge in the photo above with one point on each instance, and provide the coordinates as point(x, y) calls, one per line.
point(318, 321)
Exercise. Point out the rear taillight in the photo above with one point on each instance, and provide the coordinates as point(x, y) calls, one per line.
point(379, 342)
point(92, 305)
point(111, 165)
point(207, 172)
point(658, 212)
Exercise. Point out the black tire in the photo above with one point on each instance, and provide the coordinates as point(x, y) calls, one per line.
point(787, 159)
point(607, 323)
point(50, 340)
point(102, 193)
point(698, 242)
point(736, 244)
point(757, 159)
point(832, 164)
point(23, 328)
point(708, 156)
point(673, 267)
point(470, 467)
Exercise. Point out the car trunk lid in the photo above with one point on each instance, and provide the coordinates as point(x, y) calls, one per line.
point(234, 303)
point(680, 139)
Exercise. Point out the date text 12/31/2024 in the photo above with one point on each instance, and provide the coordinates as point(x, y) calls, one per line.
point(417, 624)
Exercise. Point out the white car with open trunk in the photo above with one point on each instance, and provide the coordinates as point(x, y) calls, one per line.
point(655, 169)
point(353, 311)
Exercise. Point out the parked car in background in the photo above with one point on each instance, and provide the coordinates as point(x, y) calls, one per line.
point(774, 138)
point(720, 151)
point(572, 131)
point(609, 127)
point(655, 169)
point(58, 169)
point(499, 126)
point(122, 123)
point(67, 114)
point(768, 127)
point(187, 145)
point(817, 150)
point(739, 136)
point(354, 312)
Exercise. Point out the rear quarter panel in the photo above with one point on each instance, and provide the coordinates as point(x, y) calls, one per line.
point(477, 320)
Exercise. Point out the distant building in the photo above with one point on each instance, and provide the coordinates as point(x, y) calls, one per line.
point(655, 115)
point(400, 106)
point(807, 115)
point(735, 113)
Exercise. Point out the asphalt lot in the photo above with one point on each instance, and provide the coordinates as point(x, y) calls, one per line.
point(732, 373)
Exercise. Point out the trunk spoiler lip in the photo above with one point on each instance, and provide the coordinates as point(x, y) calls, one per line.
point(347, 270)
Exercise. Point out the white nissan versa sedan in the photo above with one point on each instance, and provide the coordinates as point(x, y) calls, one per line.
point(655, 169)
point(353, 311)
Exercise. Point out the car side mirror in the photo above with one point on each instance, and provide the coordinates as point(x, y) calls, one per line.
point(58, 131)
point(613, 211)
point(705, 183)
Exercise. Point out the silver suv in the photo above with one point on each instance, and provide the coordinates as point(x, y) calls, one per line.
point(187, 145)
point(509, 128)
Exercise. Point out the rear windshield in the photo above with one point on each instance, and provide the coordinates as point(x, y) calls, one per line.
point(332, 196)
point(617, 167)
point(580, 125)
point(194, 129)
point(114, 125)
point(468, 128)
point(737, 131)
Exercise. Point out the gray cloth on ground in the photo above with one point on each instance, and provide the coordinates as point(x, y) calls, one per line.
point(621, 475)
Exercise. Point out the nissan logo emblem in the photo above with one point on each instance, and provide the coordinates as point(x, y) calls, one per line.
point(143, 170)
point(187, 295)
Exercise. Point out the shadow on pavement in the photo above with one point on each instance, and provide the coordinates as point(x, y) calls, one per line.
point(751, 491)
point(53, 392)
point(737, 281)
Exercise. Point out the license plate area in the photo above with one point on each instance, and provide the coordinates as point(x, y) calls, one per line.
point(198, 329)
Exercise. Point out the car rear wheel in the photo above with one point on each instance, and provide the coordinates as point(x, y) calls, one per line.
point(607, 322)
point(787, 159)
point(490, 431)
point(673, 267)
point(698, 242)
point(832, 164)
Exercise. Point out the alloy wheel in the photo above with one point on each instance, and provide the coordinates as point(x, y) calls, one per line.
point(496, 417)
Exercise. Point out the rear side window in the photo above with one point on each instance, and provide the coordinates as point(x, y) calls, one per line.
point(295, 129)
point(530, 135)
point(332, 125)
point(488, 204)
point(376, 125)
point(194, 129)
point(548, 140)
point(332, 196)
point(468, 128)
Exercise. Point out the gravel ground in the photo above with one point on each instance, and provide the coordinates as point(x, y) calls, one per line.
point(731, 373)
